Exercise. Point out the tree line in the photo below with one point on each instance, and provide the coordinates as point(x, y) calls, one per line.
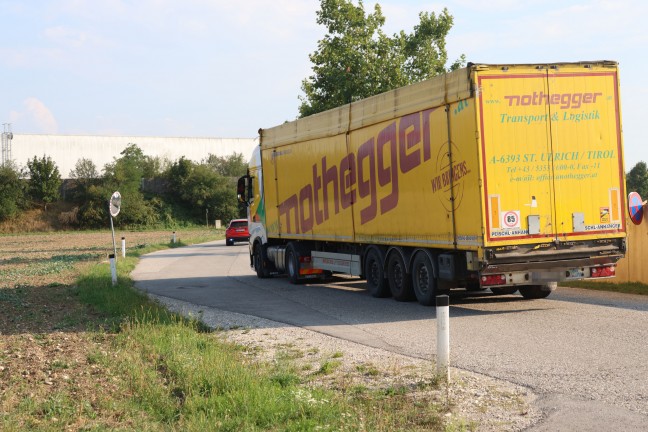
point(187, 192)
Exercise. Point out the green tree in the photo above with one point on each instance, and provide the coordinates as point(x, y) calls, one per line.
point(127, 171)
point(154, 166)
point(93, 211)
point(44, 180)
point(356, 59)
point(233, 165)
point(84, 169)
point(178, 175)
point(200, 188)
point(11, 192)
point(125, 175)
point(637, 179)
point(85, 175)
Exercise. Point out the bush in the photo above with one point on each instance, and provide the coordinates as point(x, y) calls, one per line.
point(11, 192)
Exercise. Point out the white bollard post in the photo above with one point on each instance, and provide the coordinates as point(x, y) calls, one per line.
point(123, 247)
point(443, 336)
point(173, 238)
point(113, 268)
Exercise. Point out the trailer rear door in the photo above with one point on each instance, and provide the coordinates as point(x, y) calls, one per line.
point(551, 152)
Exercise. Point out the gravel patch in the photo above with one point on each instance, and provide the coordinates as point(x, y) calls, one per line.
point(474, 401)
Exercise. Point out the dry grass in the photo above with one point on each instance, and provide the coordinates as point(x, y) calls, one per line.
point(38, 220)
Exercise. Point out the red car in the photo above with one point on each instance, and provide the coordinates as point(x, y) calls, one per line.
point(237, 230)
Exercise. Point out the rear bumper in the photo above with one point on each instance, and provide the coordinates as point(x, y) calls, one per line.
point(551, 262)
point(551, 265)
point(238, 238)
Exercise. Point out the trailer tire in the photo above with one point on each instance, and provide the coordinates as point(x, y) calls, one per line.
point(292, 264)
point(532, 292)
point(424, 282)
point(260, 262)
point(375, 275)
point(400, 283)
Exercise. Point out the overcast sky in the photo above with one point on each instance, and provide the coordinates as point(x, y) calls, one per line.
point(224, 68)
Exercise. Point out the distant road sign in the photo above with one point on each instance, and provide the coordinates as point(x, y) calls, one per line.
point(635, 207)
point(115, 204)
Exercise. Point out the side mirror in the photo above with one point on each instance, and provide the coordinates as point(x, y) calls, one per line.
point(243, 189)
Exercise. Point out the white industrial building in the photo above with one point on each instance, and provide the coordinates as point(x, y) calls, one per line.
point(66, 150)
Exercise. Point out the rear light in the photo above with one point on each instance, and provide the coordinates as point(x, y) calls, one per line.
point(488, 280)
point(601, 272)
point(304, 259)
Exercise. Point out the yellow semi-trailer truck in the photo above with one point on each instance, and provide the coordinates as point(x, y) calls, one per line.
point(508, 177)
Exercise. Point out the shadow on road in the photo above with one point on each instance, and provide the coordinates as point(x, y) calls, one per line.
point(311, 304)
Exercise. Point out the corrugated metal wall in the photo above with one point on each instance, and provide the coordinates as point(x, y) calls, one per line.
point(634, 267)
point(66, 150)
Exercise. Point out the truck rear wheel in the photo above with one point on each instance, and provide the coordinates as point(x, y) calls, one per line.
point(375, 274)
point(535, 291)
point(423, 281)
point(260, 262)
point(400, 283)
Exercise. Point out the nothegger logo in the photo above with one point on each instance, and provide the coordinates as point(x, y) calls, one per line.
point(564, 100)
point(370, 176)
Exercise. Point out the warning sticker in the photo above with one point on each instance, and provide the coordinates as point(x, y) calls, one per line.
point(605, 215)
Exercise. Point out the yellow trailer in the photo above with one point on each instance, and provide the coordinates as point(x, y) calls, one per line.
point(493, 176)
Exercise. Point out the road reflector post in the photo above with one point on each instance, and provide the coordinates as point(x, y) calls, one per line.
point(443, 336)
point(123, 247)
point(113, 268)
point(173, 237)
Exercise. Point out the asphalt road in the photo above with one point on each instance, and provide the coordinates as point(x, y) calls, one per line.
point(585, 353)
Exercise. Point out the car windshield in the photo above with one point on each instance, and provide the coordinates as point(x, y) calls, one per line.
point(238, 224)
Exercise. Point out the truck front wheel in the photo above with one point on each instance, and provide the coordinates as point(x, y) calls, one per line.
point(375, 274)
point(260, 262)
point(423, 280)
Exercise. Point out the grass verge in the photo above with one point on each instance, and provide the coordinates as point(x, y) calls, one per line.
point(624, 287)
point(114, 360)
point(184, 377)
